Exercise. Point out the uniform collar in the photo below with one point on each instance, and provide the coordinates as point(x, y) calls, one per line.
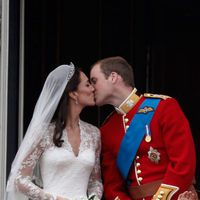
point(128, 103)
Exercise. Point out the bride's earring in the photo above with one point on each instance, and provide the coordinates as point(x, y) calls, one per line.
point(74, 97)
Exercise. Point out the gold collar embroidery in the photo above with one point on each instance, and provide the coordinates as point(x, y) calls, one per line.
point(128, 103)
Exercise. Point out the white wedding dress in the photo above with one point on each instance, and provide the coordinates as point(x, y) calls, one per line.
point(64, 173)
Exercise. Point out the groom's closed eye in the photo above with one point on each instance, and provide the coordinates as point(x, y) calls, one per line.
point(93, 80)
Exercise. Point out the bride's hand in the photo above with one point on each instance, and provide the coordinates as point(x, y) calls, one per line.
point(61, 198)
point(188, 195)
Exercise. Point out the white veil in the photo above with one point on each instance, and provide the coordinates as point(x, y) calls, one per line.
point(44, 110)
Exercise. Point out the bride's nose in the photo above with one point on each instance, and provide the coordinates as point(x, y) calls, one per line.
point(92, 88)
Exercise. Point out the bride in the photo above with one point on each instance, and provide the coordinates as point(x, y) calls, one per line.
point(64, 148)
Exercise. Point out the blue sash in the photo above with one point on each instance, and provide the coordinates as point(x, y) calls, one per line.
point(134, 135)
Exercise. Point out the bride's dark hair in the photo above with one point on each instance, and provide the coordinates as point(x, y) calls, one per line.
point(60, 116)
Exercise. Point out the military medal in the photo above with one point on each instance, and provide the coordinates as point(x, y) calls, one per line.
point(154, 155)
point(148, 136)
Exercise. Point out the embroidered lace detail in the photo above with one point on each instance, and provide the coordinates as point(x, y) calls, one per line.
point(89, 138)
point(60, 169)
point(24, 180)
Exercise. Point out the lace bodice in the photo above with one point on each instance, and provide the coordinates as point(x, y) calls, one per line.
point(63, 173)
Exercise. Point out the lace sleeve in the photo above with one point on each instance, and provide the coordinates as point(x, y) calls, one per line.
point(24, 180)
point(95, 186)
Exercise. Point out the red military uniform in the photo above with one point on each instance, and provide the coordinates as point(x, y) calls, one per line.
point(169, 157)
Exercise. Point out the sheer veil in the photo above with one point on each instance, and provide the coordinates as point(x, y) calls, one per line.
point(44, 110)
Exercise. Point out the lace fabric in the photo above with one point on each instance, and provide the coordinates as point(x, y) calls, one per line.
point(46, 105)
point(63, 173)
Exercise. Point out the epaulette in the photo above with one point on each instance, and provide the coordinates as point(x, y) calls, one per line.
point(107, 118)
point(160, 96)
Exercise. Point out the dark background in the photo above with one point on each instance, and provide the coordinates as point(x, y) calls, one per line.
point(160, 39)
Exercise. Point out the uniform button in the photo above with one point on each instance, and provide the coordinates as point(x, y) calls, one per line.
point(127, 126)
point(138, 164)
point(162, 192)
point(157, 199)
point(138, 171)
point(140, 178)
point(160, 196)
point(126, 120)
point(137, 157)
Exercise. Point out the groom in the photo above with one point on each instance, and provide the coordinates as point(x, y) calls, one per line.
point(147, 145)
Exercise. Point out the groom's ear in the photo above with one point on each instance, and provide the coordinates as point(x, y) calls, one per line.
point(114, 76)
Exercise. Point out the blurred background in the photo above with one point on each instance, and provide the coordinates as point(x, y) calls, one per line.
point(160, 39)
